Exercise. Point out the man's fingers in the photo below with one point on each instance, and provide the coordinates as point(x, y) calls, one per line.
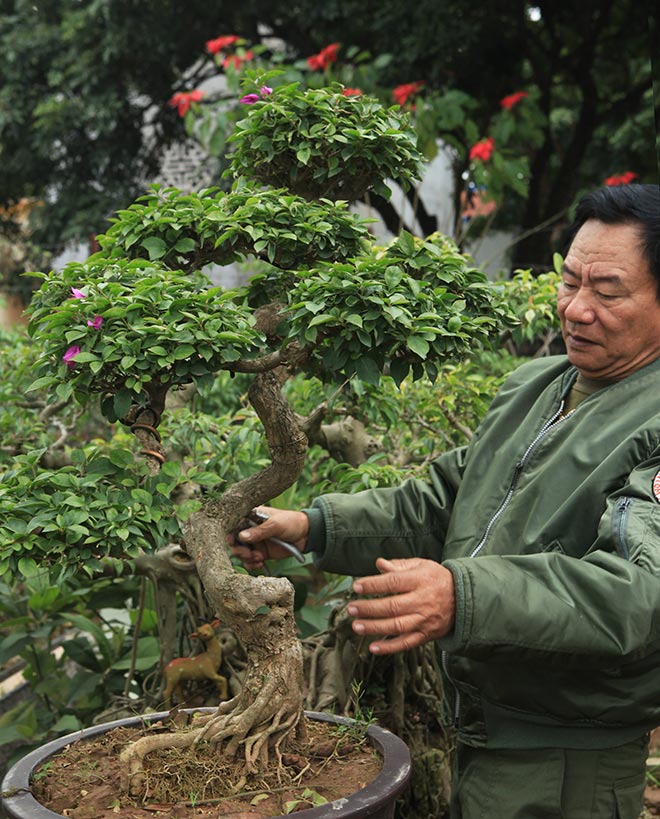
point(403, 642)
point(396, 606)
point(389, 625)
point(392, 582)
point(399, 564)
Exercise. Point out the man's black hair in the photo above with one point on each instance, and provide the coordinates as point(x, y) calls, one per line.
point(625, 204)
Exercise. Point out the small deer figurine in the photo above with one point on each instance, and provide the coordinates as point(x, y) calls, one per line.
point(202, 667)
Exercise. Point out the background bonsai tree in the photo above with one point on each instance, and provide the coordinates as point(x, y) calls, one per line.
point(139, 321)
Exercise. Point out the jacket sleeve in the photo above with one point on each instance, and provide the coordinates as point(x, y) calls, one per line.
point(555, 608)
point(405, 521)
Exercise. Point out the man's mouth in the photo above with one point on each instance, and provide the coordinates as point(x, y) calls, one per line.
point(579, 341)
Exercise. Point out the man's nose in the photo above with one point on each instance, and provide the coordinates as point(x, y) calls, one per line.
point(580, 309)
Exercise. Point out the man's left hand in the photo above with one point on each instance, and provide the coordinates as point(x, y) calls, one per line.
point(418, 604)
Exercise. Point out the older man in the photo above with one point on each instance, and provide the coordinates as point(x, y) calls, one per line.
point(533, 555)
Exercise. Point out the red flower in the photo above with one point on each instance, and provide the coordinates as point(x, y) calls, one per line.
point(220, 43)
point(621, 179)
point(483, 149)
point(182, 100)
point(402, 93)
point(351, 92)
point(327, 55)
point(513, 99)
point(237, 59)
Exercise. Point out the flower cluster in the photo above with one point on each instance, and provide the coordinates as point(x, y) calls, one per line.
point(513, 99)
point(352, 92)
point(95, 323)
point(183, 99)
point(237, 59)
point(483, 149)
point(402, 93)
point(222, 43)
point(250, 99)
point(326, 56)
point(621, 179)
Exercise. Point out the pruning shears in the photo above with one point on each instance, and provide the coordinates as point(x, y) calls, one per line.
point(255, 518)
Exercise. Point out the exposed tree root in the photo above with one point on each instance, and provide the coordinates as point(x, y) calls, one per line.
point(265, 714)
point(132, 757)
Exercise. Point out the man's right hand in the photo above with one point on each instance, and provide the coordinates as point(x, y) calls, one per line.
point(284, 524)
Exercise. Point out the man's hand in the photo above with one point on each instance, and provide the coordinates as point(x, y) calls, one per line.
point(283, 524)
point(418, 604)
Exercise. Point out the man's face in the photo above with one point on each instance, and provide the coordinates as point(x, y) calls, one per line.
point(609, 312)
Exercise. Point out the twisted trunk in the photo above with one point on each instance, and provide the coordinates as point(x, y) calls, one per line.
point(259, 609)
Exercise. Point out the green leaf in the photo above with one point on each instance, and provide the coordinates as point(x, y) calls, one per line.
point(155, 247)
point(184, 351)
point(185, 245)
point(303, 154)
point(418, 345)
point(44, 381)
point(122, 403)
point(67, 724)
point(367, 370)
point(27, 567)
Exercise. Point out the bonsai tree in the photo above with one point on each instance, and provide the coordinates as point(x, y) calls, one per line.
point(139, 320)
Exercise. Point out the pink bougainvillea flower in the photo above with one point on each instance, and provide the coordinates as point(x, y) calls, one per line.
point(69, 355)
point(402, 93)
point(96, 322)
point(351, 92)
point(220, 43)
point(77, 294)
point(183, 99)
point(326, 56)
point(513, 99)
point(250, 99)
point(483, 149)
point(621, 179)
point(237, 59)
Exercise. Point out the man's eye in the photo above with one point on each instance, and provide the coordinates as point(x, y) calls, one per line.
point(607, 296)
point(569, 286)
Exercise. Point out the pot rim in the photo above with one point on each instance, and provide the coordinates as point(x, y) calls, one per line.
point(19, 803)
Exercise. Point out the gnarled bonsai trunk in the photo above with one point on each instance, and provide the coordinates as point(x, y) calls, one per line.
point(259, 609)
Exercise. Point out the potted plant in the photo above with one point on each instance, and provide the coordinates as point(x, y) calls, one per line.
point(376, 799)
point(138, 321)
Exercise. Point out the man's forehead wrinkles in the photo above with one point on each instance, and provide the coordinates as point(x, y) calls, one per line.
point(592, 275)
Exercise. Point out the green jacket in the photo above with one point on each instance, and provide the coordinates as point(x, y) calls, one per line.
point(551, 529)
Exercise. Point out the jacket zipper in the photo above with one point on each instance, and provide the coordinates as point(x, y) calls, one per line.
point(621, 522)
point(507, 499)
point(516, 476)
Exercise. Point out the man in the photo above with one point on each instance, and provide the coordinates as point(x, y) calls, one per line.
point(533, 555)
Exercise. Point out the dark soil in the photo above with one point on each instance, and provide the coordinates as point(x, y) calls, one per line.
point(82, 781)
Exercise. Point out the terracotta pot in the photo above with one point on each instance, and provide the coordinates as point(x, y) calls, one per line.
point(376, 800)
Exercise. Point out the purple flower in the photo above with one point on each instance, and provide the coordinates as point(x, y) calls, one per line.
point(96, 322)
point(249, 99)
point(77, 294)
point(265, 91)
point(70, 354)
